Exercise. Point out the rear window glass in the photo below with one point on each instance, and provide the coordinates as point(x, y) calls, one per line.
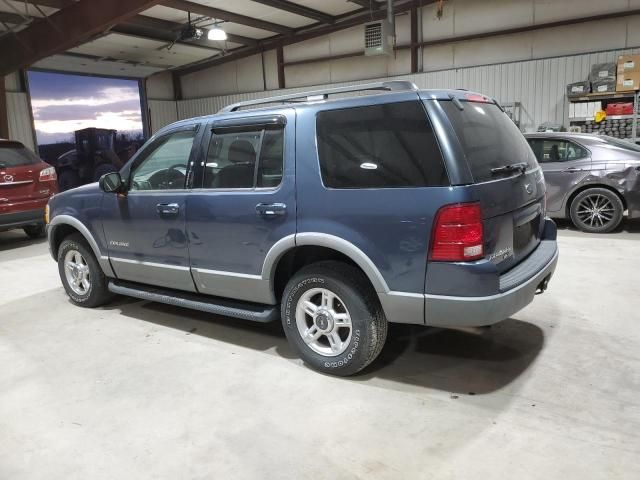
point(379, 146)
point(16, 155)
point(489, 138)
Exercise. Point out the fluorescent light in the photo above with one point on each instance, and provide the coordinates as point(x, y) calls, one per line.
point(217, 34)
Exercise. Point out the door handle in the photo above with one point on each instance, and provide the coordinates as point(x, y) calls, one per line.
point(168, 208)
point(271, 209)
point(572, 170)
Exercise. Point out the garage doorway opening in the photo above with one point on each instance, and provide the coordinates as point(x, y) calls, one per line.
point(63, 104)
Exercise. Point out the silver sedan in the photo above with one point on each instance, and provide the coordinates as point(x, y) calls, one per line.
point(591, 179)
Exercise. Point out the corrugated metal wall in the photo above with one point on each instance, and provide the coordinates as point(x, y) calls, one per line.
point(538, 84)
point(161, 113)
point(20, 127)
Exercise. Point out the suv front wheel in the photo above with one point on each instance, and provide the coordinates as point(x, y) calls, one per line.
point(81, 275)
point(333, 318)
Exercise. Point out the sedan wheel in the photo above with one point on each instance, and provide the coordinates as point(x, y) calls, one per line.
point(596, 210)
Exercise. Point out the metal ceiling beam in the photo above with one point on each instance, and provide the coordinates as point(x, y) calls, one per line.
point(301, 10)
point(218, 14)
point(12, 18)
point(65, 29)
point(152, 27)
point(368, 4)
point(302, 34)
point(59, 4)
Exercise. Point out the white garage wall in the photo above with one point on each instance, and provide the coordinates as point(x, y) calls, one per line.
point(538, 84)
point(161, 113)
point(461, 17)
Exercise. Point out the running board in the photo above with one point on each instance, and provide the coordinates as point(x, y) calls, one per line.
point(218, 306)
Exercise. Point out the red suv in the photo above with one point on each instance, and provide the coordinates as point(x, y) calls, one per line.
point(26, 184)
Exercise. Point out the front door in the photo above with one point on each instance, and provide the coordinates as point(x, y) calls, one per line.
point(245, 205)
point(564, 164)
point(145, 229)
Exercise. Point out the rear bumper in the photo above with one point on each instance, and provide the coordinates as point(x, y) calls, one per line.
point(9, 221)
point(528, 277)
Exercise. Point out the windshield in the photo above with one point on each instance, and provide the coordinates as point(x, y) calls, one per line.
point(14, 154)
point(489, 138)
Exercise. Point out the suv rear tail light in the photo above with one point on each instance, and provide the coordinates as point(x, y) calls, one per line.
point(458, 235)
point(48, 174)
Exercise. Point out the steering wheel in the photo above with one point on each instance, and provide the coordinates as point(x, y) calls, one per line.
point(170, 176)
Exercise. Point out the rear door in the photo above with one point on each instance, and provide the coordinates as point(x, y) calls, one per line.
point(20, 175)
point(245, 203)
point(512, 202)
point(564, 164)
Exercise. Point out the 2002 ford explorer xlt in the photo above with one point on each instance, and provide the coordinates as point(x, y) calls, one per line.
point(336, 215)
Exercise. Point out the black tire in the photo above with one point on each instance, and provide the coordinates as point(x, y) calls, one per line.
point(610, 215)
point(103, 169)
point(97, 293)
point(68, 179)
point(35, 231)
point(360, 302)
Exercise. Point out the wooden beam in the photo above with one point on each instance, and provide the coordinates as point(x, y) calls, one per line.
point(218, 14)
point(280, 61)
point(301, 10)
point(65, 29)
point(414, 38)
point(4, 116)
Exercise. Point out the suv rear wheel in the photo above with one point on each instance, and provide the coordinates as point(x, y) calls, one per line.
point(81, 275)
point(332, 318)
point(596, 210)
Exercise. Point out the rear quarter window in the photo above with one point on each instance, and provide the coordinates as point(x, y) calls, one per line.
point(379, 146)
point(488, 137)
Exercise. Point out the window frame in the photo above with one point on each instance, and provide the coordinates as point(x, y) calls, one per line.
point(243, 125)
point(429, 121)
point(130, 168)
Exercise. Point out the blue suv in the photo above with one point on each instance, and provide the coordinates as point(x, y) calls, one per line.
point(337, 213)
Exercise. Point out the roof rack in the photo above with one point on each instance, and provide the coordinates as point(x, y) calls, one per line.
point(315, 95)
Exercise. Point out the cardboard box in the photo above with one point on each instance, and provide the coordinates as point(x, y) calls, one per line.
point(628, 81)
point(628, 64)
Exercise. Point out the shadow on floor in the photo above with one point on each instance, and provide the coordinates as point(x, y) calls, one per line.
point(472, 361)
point(17, 238)
point(626, 226)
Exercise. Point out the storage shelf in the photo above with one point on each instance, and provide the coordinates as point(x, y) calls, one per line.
point(609, 117)
point(589, 97)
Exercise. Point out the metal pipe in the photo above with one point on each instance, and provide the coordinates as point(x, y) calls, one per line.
point(391, 19)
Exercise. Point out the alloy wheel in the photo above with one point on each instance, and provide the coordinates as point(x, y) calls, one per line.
point(76, 272)
point(323, 321)
point(596, 211)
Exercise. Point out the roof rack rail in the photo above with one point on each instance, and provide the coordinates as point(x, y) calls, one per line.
point(395, 85)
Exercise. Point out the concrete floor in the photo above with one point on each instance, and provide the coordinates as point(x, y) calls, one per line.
point(139, 390)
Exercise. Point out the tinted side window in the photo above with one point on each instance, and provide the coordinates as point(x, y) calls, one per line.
point(165, 164)
point(232, 159)
point(556, 150)
point(379, 146)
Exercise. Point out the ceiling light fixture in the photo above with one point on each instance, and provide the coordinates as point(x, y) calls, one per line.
point(216, 33)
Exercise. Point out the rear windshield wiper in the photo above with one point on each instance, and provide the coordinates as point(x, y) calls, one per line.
point(513, 167)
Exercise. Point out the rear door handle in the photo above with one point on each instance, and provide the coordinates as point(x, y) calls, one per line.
point(168, 209)
point(572, 170)
point(271, 209)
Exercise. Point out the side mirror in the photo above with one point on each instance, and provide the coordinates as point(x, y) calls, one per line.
point(111, 182)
